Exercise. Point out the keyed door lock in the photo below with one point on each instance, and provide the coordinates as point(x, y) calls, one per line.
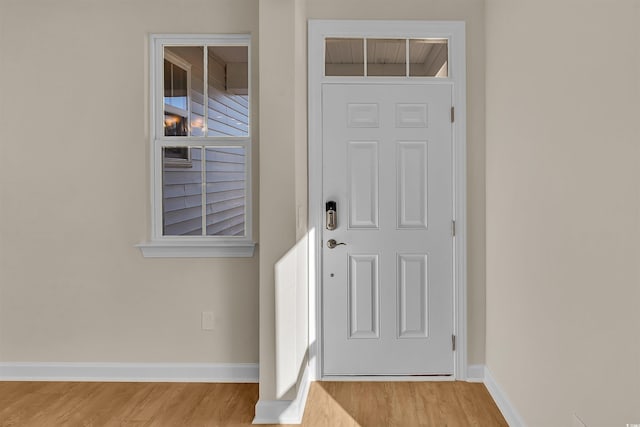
point(332, 216)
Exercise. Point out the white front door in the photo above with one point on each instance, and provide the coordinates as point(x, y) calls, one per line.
point(387, 293)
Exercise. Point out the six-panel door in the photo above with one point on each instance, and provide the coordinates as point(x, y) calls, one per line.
point(387, 295)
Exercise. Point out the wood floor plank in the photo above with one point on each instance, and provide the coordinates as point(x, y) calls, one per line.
point(330, 404)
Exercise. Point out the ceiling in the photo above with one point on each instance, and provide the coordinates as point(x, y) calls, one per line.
point(230, 53)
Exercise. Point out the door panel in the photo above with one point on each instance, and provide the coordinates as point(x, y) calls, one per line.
point(413, 303)
point(388, 292)
point(412, 182)
point(364, 304)
point(362, 170)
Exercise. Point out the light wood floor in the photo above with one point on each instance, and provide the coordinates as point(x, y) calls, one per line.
point(330, 404)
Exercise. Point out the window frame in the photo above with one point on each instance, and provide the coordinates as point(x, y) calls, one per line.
point(161, 245)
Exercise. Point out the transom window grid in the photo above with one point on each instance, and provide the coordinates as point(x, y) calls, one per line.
point(189, 164)
point(386, 57)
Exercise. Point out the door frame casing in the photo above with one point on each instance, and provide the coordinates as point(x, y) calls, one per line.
point(454, 31)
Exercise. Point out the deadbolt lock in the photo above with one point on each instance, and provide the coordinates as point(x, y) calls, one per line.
point(332, 216)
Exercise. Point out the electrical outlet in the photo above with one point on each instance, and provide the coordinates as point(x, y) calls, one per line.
point(208, 321)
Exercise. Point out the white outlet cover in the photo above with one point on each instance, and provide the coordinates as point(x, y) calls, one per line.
point(208, 321)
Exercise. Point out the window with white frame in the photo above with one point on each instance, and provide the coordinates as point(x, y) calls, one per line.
point(200, 146)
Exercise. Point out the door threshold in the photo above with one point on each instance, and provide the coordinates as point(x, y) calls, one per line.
point(389, 378)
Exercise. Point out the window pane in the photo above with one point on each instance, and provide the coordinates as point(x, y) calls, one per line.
point(183, 90)
point(386, 57)
point(175, 85)
point(181, 191)
point(226, 191)
point(228, 113)
point(428, 58)
point(175, 124)
point(344, 57)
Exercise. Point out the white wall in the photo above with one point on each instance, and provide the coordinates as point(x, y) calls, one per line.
point(291, 318)
point(283, 172)
point(472, 12)
point(74, 192)
point(563, 208)
point(563, 204)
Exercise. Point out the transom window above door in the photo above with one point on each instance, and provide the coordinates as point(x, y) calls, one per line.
point(386, 57)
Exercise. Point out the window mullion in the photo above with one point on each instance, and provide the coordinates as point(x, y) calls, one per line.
point(189, 101)
point(205, 77)
point(186, 142)
point(203, 174)
point(365, 56)
point(408, 61)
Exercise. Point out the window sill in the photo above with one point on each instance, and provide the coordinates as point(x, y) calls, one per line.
point(192, 249)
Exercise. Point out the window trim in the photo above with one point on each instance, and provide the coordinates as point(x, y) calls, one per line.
point(192, 246)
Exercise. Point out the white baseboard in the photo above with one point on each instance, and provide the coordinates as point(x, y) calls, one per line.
point(131, 372)
point(389, 378)
point(284, 411)
point(509, 412)
point(475, 373)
